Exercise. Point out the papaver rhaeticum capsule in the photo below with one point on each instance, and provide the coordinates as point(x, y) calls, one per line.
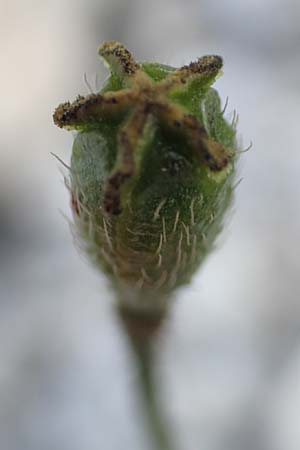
point(152, 172)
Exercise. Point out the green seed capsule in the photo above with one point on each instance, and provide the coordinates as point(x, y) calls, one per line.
point(152, 172)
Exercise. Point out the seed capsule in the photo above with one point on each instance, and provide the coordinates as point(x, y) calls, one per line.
point(152, 173)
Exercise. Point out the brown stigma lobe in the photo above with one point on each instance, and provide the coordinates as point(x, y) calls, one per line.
point(210, 65)
point(121, 54)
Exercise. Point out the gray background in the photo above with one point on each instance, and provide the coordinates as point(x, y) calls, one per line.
point(229, 361)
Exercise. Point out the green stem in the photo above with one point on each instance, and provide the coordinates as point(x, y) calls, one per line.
point(142, 344)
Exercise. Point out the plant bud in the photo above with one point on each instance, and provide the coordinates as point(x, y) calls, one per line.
point(152, 173)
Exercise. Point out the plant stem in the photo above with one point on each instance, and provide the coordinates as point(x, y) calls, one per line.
point(142, 337)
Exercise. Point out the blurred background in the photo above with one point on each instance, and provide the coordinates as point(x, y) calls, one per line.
point(229, 362)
